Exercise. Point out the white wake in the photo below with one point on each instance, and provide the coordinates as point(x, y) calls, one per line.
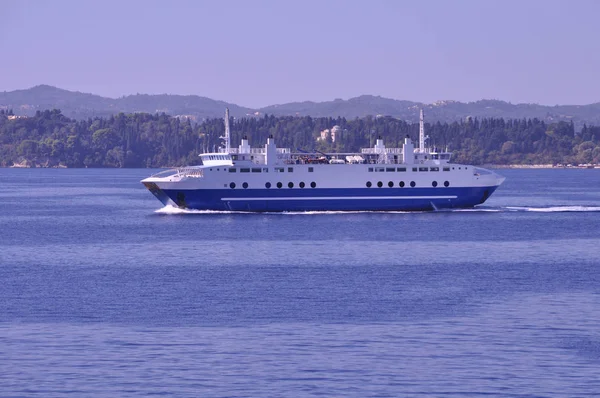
point(173, 210)
point(555, 209)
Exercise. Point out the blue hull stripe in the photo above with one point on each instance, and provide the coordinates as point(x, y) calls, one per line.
point(327, 199)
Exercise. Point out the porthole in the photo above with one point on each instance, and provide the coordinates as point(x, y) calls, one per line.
point(313, 184)
point(290, 185)
point(391, 184)
point(302, 185)
point(232, 185)
point(379, 184)
point(446, 184)
point(245, 185)
point(279, 185)
point(434, 184)
point(401, 184)
point(412, 184)
point(268, 185)
point(369, 184)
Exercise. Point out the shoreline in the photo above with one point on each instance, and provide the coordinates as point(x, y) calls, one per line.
point(541, 166)
point(488, 166)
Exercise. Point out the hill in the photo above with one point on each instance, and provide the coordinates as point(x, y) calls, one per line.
point(82, 106)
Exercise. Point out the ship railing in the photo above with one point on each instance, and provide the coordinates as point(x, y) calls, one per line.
point(374, 151)
point(250, 150)
point(189, 171)
point(258, 151)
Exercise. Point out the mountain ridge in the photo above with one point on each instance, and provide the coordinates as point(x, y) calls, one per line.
point(80, 105)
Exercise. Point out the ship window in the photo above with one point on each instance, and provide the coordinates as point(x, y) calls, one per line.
point(218, 169)
point(434, 184)
point(412, 184)
point(379, 169)
point(210, 169)
point(369, 184)
point(232, 185)
point(370, 169)
point(302, 184)
point(244, 170)
point(446, 184)
point(415, 169)
point(401, 184)
point(245, 185)
point(290, 169)
point(423, 169)
point(459, 168)
point(401, 168)
point(279, 169)
point(265, 170)
point(290, 185)
point(256, 170)
point(446, 168)
point(390, 184)
point(313, 184)
point(311, 169)
point(390, 169)
point(268, 185)
point(232, 170)
point(279, 185)
point(379, 184)
point(434, 169)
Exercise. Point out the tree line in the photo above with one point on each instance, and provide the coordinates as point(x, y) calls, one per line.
point(50, 139)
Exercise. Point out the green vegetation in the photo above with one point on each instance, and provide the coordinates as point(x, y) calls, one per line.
point(50, 139)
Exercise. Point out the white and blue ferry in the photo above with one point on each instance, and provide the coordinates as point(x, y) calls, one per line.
point(272, 179)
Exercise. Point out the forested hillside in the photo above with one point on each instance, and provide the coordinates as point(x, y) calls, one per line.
point(50, 139)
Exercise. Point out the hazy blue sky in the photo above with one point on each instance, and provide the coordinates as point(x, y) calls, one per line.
point(260, 52)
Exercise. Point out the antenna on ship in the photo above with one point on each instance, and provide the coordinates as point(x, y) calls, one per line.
point(422, 132)
point(227, 139)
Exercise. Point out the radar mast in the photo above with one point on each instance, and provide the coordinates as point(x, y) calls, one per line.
point(227, 135)
point(422, 137)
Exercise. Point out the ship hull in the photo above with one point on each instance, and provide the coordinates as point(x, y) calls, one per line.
point(324, 199)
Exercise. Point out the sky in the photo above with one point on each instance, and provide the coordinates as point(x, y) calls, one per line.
point(256, 53)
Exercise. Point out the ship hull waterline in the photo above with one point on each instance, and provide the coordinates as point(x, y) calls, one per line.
point(324, 199)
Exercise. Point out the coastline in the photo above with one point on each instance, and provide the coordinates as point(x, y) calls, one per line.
point(488, 166)
point(542, 166)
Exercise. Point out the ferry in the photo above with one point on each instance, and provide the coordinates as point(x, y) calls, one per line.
point(272, 179)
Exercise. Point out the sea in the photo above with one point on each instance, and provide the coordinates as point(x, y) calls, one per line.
point(106, 293)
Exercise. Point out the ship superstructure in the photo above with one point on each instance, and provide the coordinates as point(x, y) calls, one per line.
point(276, 179)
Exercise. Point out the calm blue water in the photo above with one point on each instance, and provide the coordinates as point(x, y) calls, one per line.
point(102, 293)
